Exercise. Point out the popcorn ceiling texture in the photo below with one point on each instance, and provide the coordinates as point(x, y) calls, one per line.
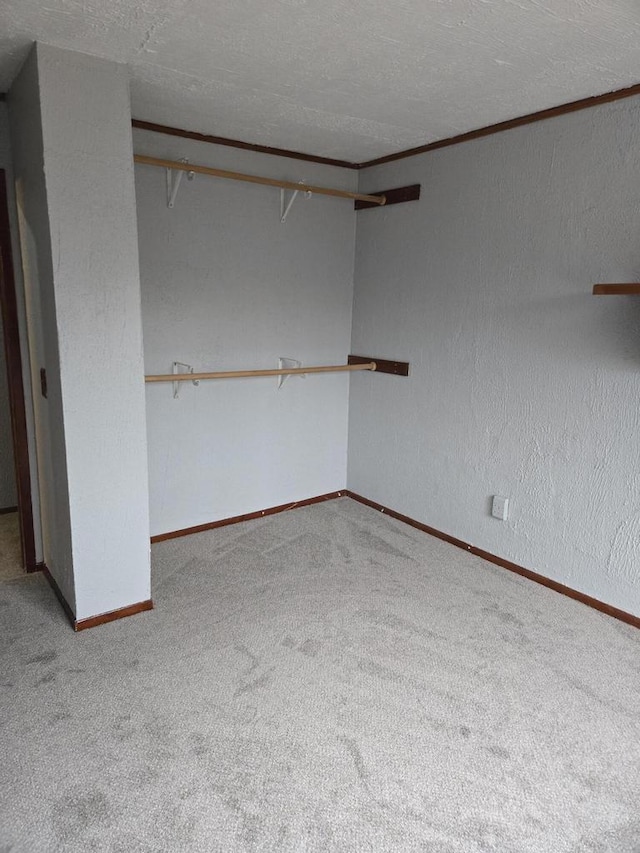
point(349, 80)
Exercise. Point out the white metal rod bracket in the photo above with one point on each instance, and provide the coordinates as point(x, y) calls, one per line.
point(174, 177)
point(176, 369)
point(283, 364)
point(285, 206)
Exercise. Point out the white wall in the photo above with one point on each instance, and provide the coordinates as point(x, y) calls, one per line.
point(71, 114)
point(226, 286)
point(35, 241)
point(522, 383)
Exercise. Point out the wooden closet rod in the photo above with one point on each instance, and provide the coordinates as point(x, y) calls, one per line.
point(254, 179)
point(240, 374)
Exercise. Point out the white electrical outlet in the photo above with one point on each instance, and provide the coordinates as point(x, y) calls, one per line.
point(500, 507)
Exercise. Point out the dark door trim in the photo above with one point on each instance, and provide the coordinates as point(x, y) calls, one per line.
point(13, 356)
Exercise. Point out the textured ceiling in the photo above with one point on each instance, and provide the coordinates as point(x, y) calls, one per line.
point(350, 79)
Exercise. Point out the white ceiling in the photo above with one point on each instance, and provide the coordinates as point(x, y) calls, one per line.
point(350, 79)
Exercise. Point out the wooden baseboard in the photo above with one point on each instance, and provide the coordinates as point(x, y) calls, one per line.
point(5, 510)
point(140, 607)
point(112, 615)
point(236, 519)
point(92, 621)
point(608, 609)
point(71, 616)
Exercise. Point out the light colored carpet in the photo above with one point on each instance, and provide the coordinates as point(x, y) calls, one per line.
point(323, 680)
point(10, 553)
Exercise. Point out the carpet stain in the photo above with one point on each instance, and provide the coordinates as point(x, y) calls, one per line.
point(141, 776)
point(498, 751)
point(370, 667)
point(59, 717)
point(503, 616)
point(621, 839)
point(123, 730)
point(263, 680)
point(199, 744)
point(74, 814)
point(310, 648)
point(255, 660)
point(372, 542)
point(394, 622)
point(44, 657)
point(518, 639)
point(345, 553)
point(250, 823)
point(354, 751)
point(592, 694)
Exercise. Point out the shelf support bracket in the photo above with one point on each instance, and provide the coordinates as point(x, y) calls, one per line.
point(177, 368)
point(174, 178)
point(283, 363)
point(286, 205)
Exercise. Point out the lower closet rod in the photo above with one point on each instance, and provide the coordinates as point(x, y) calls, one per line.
point(239, 374)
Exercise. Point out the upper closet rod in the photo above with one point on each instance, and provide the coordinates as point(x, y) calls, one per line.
point(239, 374)
point(254, 179)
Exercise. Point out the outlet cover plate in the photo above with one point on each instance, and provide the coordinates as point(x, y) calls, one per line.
point(500, 507)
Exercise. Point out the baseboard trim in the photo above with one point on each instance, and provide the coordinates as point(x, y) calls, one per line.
point(5, 510)
point(142, 606)
point(112, 615)
point(594, 603)
point(249, 516)
point(92, 621)
point(71, 616)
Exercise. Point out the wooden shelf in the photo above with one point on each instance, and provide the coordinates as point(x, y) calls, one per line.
point(616, 289)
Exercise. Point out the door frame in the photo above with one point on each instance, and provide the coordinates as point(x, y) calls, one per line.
point(11, 328)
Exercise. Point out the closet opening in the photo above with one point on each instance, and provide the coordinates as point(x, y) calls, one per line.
point(16, 518)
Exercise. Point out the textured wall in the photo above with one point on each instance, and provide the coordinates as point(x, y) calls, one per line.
point(35, 238)
point(91, 198)
point(522, 383)
point(225, 285)
point(72, 141)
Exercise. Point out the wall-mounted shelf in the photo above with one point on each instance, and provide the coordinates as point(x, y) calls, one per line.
point(616, 289)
